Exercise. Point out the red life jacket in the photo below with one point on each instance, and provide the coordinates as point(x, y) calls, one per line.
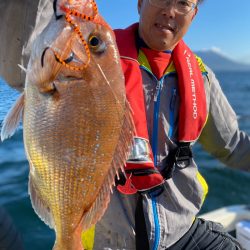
point(140, 168)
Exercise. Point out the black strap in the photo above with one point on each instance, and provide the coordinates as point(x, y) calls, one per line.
point(141, 235)
point(142, 172)
point(182, 153)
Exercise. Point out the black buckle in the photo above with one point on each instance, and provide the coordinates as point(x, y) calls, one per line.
point(183, 153)
point(176, 157)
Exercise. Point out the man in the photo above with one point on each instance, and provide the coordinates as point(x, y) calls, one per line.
point(183, 102)
point(176, 99)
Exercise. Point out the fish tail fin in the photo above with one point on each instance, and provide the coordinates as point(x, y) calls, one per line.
point(62, 247)
point(118, 162)
point(11, 121)
point(68, 243)
point(58, 246)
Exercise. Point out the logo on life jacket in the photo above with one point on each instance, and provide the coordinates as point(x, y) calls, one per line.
point(192, 84)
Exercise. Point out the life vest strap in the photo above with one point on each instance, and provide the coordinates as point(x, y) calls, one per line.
point(142, 172)
point(124, 184)
point(181, 154)
point(180, 157)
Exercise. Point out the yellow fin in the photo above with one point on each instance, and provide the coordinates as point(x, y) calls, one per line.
point(39, 205)
point(11, 121)
point(88, 238)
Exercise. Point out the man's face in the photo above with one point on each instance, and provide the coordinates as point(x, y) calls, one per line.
point(162, 28)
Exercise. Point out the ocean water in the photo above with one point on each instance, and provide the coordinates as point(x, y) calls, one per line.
point(226, 186)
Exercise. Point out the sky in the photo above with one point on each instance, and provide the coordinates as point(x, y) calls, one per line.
point(221, 25)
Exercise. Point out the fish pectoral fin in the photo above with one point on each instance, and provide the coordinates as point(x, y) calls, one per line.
point(12, 119)
point(39, 205)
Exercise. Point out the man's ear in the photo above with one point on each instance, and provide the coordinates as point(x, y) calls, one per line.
point(195, 12)
point(139, 6)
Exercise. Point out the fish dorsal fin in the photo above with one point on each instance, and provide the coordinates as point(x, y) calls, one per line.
point(39, 205)
point(12, 119)
point(120, 156)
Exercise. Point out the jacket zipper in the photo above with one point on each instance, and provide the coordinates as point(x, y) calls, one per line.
point(171, 114)
point(157, 96)
point(156, 222)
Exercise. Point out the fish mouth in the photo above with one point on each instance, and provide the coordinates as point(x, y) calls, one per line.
point(67, 78)
point(61, 81)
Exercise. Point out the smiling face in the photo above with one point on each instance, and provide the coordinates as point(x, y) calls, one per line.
point(162, 28)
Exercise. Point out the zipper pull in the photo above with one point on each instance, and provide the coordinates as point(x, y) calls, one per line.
point(157, 90)
point(173, 99)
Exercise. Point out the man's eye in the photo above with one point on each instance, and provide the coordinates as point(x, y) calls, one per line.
point(183, 3)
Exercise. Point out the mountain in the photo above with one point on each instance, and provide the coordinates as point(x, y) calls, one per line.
point(219, 62)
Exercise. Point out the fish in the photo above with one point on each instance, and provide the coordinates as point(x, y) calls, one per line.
point(77, 123)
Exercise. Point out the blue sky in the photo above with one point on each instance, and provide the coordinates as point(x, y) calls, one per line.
point(220, 24)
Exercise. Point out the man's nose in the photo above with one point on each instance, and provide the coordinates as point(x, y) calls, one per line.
point(169, 10)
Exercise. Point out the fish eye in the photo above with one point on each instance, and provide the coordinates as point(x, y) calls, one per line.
point(96, 44)
point(94, 41)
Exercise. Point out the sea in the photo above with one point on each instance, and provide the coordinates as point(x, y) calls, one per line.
point(226, 186)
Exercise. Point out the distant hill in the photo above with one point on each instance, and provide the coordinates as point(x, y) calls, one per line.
point(218, 62)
